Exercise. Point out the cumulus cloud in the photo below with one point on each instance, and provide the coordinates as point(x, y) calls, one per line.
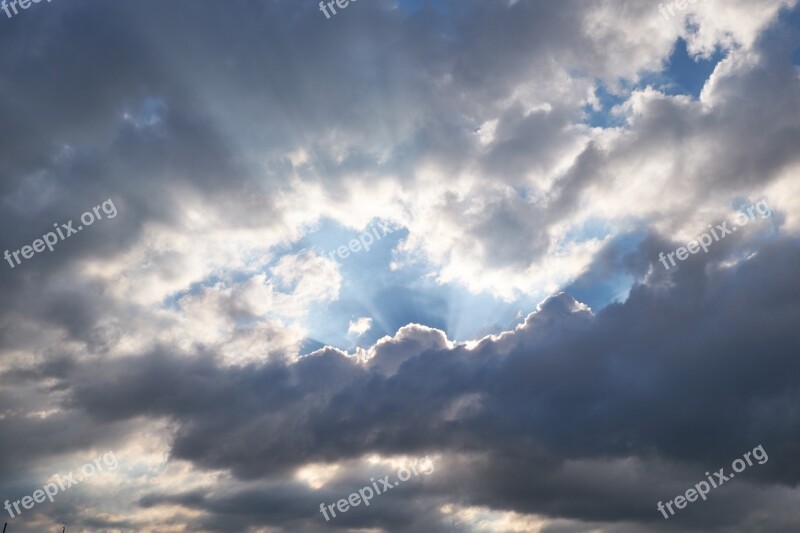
point(359, 326)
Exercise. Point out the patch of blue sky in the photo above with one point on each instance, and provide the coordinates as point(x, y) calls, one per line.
point(473, 316)
point(364, 273)
point(525, 193)
point(394, 298)
point(603, 117)
point(172, 302)
point(443, 14)
point(370, 288)
point(592, 228)
point(411, 6)
point(442, 7)
point(610, 277)
point(788, 30)
point(601, 293)
point(391, 298)
point(682, 74)
point(751, 208)
point(149, 112)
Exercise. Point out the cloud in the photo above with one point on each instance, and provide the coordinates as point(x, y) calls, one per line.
point(182, 335)
point(574, 414)
point(359, 326)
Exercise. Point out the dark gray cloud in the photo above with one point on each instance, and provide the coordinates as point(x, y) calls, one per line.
point(695, 368)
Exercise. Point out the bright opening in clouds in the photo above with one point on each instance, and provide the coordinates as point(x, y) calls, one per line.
point(377, 266)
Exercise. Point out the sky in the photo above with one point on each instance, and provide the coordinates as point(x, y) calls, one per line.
point(533, 260)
